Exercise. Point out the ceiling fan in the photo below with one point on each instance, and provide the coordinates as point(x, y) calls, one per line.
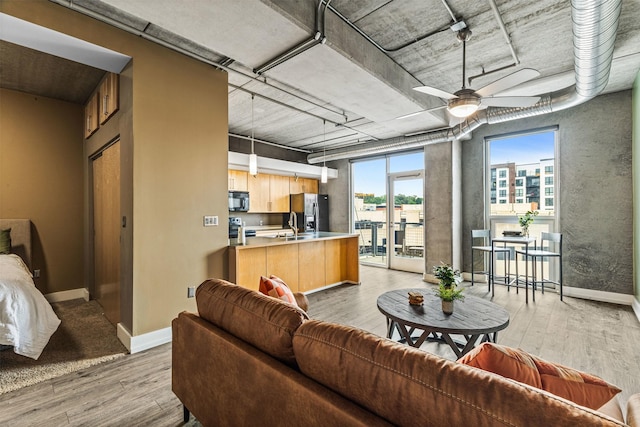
point(467, 101)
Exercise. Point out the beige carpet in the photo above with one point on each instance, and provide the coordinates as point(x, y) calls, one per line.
point(84, 338)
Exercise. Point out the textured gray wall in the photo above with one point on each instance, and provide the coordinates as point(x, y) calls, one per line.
point(438, 205)
point(595, 194)
point(339, 192)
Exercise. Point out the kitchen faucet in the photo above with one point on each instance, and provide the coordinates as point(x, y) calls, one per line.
point(293, 223)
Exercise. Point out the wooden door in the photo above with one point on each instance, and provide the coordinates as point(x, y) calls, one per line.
point(106, 223)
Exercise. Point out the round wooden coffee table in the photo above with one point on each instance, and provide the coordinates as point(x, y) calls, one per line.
point(473, 318)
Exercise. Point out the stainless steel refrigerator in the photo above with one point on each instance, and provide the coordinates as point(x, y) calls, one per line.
point(312, 211)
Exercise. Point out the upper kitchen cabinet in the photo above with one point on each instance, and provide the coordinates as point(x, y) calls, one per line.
point(109, 97)
point(238, 180)
point(268, 193)
point(91, 116)
point(303, 185)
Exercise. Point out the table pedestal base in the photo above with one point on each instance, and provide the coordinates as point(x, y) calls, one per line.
point(459, 348)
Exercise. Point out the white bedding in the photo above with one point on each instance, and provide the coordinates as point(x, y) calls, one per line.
point(27, 320)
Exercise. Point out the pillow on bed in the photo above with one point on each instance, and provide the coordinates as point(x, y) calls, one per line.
point(5, 241)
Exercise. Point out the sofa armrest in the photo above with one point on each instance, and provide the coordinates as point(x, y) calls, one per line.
point(302, 300)
point(633, 411)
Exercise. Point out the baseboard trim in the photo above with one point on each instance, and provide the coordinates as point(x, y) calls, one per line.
point(138, 343)
point(595, 295)
point(68, 295)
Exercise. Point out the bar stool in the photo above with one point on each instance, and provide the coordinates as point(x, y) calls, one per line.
point(486, 247)
point(540, 254)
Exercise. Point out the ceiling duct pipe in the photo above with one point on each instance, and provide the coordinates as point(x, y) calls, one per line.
point(595, 24)
point(318, 38)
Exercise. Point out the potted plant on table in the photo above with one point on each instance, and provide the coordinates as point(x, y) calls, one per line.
point(448, 291)
point(526, 220)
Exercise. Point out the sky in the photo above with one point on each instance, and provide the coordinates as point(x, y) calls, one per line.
point(370, 175)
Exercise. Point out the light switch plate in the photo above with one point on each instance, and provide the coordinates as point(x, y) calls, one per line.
point(210, 220)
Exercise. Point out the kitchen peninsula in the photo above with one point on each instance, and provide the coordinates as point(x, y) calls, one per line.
point(310, 262)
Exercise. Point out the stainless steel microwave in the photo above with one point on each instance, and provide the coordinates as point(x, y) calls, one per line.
point(238, 201)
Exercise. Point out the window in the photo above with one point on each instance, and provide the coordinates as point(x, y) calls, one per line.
point(530, 159)
point(503, 202)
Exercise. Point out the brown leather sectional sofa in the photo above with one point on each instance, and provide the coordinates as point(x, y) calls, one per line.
point(251, 360)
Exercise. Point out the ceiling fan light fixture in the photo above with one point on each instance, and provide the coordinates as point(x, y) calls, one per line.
point(463, 107)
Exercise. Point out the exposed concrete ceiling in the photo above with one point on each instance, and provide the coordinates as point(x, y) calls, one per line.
point(359, 88)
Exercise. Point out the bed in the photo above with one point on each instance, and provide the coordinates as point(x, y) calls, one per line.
point(27, 320)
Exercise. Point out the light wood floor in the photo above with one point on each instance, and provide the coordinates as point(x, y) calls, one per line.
point(603, 339)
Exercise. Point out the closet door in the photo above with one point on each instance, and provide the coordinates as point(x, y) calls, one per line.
point(106, 222)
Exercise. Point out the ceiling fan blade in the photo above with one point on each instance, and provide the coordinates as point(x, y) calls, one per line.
point(507, 82)
point(406, 116)
point(435, 92)
point(509, 101)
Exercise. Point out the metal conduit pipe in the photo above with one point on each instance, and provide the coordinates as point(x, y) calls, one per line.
point(595, 24)
point(318, 38)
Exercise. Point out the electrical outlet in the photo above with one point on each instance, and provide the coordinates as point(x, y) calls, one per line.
point(210, 221)
point(36, 274)
point(191, 291)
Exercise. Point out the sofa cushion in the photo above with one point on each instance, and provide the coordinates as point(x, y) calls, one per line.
point(410, 387)
point(579, 387)
point(276, 288)
point(584, 389)
point(262, 321)
point(506, 361)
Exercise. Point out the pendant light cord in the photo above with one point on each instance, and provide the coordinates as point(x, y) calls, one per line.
point(324, 142)
point(252, 95)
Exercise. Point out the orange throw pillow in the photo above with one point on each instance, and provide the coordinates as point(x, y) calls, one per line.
point(579, 387)
point(276, 288)
point(505, 361)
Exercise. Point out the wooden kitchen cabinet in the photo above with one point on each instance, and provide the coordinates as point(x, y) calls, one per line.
point(258, 187)
point(279, 193)
point(311, 266)
point(238, 180)
point(268, 193)
point(303, 185)
point(248, 265)
point(305, 265)
point(109, 97)
point(91, 116)
point(282, 262)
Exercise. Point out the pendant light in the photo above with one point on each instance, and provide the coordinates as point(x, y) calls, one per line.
point(324, 171)
point(253, 158)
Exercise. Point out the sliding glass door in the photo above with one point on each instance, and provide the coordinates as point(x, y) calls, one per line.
point(406, 222)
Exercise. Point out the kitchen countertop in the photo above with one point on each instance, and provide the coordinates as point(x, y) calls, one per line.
point(256, 242)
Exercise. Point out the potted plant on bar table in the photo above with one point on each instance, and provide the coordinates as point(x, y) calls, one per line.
point(526, 220)
point(448, 290)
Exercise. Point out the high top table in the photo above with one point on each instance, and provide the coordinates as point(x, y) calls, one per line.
point(515, 240)
point(472, 318)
